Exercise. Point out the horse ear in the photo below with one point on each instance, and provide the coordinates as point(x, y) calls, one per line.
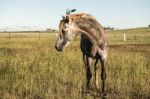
point(67, 19)
point(63, 17)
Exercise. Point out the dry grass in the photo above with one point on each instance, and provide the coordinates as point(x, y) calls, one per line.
point(33, 69)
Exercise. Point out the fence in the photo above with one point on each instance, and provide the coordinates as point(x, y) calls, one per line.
point(45, 34)
point(129, 36)
point(39, 35)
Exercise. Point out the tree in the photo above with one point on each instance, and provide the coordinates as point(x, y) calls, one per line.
point(108, 28)
point(48, 29)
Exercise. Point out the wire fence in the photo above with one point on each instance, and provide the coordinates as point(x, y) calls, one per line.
point(39, 35)
point(117, 36)
point(129, 36)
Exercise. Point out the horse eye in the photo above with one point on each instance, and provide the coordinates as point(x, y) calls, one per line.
point(63, 31)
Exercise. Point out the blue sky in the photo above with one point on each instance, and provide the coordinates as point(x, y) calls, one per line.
point(42, 14)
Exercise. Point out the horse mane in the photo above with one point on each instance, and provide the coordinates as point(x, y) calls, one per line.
point(74, 17)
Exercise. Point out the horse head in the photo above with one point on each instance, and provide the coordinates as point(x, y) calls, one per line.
point(65, 32)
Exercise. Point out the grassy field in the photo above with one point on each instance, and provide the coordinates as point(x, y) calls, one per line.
point(32, 69)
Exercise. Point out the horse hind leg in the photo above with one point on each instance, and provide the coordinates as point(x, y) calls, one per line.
point(103, 75)
point(88, 61)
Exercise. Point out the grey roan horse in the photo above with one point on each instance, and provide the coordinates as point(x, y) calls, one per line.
point(93, 43)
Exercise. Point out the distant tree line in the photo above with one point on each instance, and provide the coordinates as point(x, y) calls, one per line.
point(50, 30)
point(108, 28)
point(53, 30)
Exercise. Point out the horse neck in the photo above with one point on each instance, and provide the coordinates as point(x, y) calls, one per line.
point(93, 38)
point(85, 27)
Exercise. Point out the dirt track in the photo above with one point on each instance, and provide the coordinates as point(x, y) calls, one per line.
point(131, 47)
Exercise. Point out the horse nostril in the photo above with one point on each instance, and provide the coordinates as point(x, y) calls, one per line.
point(58, 48)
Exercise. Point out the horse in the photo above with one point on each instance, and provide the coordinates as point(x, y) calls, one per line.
point(93, 43)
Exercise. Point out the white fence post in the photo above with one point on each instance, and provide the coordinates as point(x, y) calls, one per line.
point(124, 37)
point(56, 34)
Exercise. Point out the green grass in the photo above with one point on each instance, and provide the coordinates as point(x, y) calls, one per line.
point(33, 69)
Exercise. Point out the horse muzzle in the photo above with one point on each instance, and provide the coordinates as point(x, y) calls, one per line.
point(58, 48)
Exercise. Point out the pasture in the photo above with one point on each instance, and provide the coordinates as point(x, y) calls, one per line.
point(31, 68)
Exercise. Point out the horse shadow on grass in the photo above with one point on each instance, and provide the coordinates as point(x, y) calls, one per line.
point(93, 93)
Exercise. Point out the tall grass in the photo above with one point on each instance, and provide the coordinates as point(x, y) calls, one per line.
point(33, 69)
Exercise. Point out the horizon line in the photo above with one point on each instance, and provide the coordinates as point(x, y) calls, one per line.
point(52, 29)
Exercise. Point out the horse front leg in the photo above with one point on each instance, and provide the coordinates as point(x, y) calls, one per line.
point(87, 62)
point(96, 73)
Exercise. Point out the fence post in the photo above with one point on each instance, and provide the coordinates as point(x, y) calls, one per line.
point(39, 36)
point(114, 35)
point(124, 37)
point(9, 35)
point(56, 34)
point(135, 36)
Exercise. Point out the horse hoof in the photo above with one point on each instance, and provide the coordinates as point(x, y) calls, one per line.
point(87, 90)
point(104, 94)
